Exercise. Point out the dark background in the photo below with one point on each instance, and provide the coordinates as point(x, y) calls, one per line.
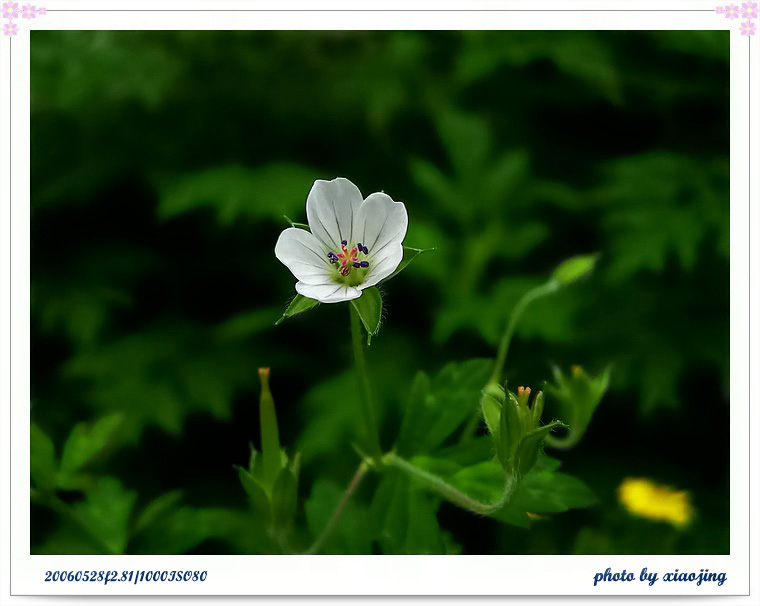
point(162, 163)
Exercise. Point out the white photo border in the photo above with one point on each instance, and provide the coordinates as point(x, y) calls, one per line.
point(22, 574)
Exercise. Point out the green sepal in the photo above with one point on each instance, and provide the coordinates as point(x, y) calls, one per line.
point(531, 446)
point(410, 254)
point(298, 305)
point(370, 309)
point(255, 491)
point(285, 494)
point(574, 268)
point(298, 225)
point(491, 408)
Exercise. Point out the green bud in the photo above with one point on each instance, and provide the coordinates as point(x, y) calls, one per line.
point(574, 269)
point(520, 437)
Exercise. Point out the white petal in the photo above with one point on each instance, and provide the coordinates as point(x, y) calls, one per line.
point(330, 209)
point(381, 226)
point(384, 264)
point(303, 255)
point(328, 293)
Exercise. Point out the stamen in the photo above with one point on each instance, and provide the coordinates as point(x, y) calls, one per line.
point(363, 264)
point(344, 243)
point(357, 264)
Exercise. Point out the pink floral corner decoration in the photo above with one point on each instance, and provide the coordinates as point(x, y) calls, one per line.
point(10, 10)
point(731, 11)
point(749, 10)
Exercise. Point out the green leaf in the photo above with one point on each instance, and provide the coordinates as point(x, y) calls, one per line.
point(233, 192)
point(85, 442)
point(354, 532)
point(157, 509)
point(43, 466)
point(437, 407)
point(404, 518)
point(547, 492)
point(410, 254)
point(575, 268)
point(298, 305)
point(180, 530)
point(162, 373)
point(105, 513)
point(370, 309)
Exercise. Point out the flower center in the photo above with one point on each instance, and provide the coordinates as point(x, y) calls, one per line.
point(350, 263)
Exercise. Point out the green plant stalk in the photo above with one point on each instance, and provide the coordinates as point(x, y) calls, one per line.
point(365, 395)
point(530, 296)
point(448, 492)
point(270, 436)
point(317, 546)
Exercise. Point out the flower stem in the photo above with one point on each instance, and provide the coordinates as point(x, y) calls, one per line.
point(365, 395)
point(448, 492)
point(317, 546)
point(530, 296)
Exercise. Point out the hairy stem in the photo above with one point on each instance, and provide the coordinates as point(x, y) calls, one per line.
point(365, 395)
point(361, 471)
point(448, 492)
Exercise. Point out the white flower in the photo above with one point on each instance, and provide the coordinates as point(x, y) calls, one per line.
point(354, 242)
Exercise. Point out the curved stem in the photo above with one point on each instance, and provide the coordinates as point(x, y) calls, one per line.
point(365, 397)
point(517, 312)
point(361, 471)
point(448, 492)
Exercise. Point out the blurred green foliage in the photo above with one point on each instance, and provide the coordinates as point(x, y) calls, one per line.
point(162, 166)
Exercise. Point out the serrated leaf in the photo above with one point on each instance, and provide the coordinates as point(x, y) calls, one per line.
point(85, 442)
point(105, 513)
point(298, 305)
point(437, 407)
point(238, 191)
point(404, 518)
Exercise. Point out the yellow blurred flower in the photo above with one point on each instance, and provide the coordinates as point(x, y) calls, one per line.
point(644, 498)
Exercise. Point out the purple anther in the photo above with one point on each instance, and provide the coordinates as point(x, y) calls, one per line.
point(344, 243)
point(363, 264)
point(365, 250)
point(356, 264)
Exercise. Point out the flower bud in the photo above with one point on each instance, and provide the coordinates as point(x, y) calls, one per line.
point(271, 480)
point(517, 432)
point(574, 269)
